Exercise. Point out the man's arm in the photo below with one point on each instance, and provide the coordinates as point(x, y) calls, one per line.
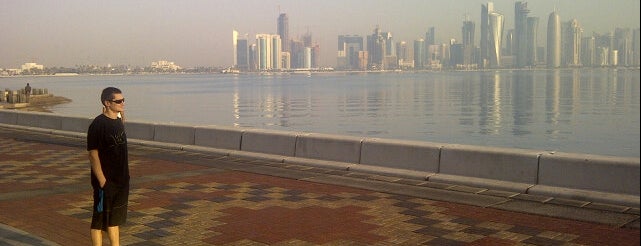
point(96, 168)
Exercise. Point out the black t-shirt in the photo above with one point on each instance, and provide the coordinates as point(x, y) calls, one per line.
point(108, 137)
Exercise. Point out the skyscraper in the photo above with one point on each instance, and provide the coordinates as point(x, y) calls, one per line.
point(520, 33)
point(419, 53)
point(348, 48)
point(403, 54)
point(277, 63)
point(496, 36)
point(588, 51)
point(268, 52)
point(234, 42)
point(623, 43)
point(509, 43)
point(468, 33)
point(554, 41)
point(636, 44)
point(283, 31)
point(572, 43)
point(486, 9)
point(532, 27)
point(430, 37)
point(243, 55)
point(376, 48)
point(463, 53)
point(297, 54)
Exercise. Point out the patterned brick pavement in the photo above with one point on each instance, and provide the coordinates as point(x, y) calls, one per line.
point(192, 199)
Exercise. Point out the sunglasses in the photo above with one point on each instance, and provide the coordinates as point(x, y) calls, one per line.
point(119, 101)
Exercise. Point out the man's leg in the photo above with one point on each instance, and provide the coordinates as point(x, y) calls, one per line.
point(114, 235)
point(96, 237)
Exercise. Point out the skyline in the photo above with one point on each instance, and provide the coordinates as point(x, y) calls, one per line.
point(197, 33)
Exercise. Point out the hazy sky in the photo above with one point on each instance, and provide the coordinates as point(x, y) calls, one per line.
point(198, 32)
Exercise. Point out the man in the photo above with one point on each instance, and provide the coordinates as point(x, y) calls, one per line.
point(27, 92)
point(107, 146)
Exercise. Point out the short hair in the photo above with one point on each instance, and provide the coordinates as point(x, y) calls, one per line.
point(108, 94)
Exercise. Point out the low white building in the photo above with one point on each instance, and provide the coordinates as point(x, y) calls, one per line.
point(164, 65)
point(31, 65)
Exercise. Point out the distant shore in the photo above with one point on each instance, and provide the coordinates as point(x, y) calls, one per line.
point(37, 103)
point(312, 71)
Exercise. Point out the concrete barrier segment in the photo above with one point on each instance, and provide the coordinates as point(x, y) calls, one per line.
point(37, 119)
point(51, 121)
point(140, 130)
point(399, 154)
point(173, 133)
point(503, 164)
point(269, 142)
point(590, 172)
point(8, 117)
point(329, 147)
point(76, 124)
point(218, 137)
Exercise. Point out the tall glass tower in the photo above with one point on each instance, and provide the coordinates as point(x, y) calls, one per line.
point(520, 33)
point(572, 47)
point(283, 31)
point(486, 9)
point(234, 42)
point(468, 32)
point(532, 27)
point(419, 53)
point(348, 48)
point(430, 37)
point(554, 41)
point(268, 52)
point(495, 37)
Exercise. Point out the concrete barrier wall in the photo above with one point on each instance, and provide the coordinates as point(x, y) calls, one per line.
point(269, 142)
point(181, 134)
point(410, 155)
point(488, 167)
point(515, 165)
point(140, 130)
point(8, 117)
point(218, 137)
point(329, 147)
point(590, 172)
point(42, 120)
point(76, 124)
point(569, 175)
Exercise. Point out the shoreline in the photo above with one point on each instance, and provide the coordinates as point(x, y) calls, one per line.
point(313, 71)
point(38, 103)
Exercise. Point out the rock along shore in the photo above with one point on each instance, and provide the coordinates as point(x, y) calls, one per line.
point(38, 103)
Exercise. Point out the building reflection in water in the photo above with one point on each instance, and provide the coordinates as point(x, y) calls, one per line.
point(540, 109)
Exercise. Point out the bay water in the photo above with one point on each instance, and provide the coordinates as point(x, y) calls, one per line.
point(593, 111)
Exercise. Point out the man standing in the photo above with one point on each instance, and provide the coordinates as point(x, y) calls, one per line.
point(107, 146)
point(27, 92)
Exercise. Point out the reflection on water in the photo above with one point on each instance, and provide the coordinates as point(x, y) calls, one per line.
point(581, 110)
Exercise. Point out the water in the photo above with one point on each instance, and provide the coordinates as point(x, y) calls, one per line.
point(593, 111)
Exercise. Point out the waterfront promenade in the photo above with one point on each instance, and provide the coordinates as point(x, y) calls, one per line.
point(186, 198)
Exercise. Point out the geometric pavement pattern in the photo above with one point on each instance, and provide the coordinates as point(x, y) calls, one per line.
point(177, 203)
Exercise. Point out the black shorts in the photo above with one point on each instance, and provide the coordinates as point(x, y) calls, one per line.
point(114, 206)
